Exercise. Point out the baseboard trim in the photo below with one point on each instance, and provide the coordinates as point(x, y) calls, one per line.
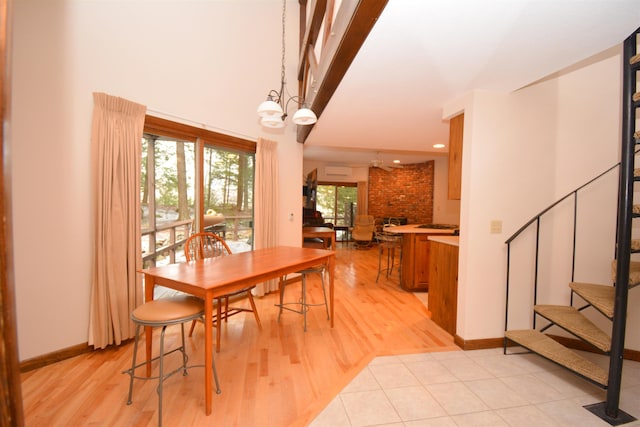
point(56, 356)
point(480, 344)
point(572, 343)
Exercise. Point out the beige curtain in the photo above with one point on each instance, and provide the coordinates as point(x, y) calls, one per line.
point(116, 136)
point(363, 193)
point(265, 211)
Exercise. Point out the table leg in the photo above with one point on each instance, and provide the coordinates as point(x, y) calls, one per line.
point(208, 352)
point(331, 264)
point(149, 284)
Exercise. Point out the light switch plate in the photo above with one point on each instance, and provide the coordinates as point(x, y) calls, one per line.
point(496, 227)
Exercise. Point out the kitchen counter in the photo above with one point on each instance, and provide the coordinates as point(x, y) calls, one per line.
point(443, 282)
point(417, 229)
point(415, 252)
point(447, 240)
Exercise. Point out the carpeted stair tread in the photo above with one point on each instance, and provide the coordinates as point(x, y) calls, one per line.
point(636, 134)
point(601, 297)
point(635, 244)
point(556, 352)
point(572, 320)
point(634, 59)
point(635, 209)
point(636, 97)
point(634, 272)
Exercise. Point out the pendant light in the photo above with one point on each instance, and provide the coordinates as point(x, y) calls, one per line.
point(273, 111)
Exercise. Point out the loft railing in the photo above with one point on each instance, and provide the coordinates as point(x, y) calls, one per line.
point(536, 220)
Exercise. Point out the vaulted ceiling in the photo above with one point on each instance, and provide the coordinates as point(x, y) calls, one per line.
point(422, 54)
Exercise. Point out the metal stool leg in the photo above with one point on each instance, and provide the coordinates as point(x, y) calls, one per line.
point(379, 260)
point(133, 365)
point(185, 358)
point(161, 376)
point(215, 376)
point(324, 293)
point(304, 299)
point(282, 286)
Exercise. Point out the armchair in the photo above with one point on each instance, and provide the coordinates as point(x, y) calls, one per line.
point(363, 231)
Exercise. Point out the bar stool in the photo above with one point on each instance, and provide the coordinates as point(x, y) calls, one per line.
point(304, 305)
point(388, 242)
point(162, 313)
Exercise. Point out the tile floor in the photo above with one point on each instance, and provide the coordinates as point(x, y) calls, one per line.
point(473, 388)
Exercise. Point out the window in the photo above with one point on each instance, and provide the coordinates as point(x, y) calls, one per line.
point(193, 180)
point(337, 202)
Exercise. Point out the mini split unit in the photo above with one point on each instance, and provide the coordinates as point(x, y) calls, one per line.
point(337, 171)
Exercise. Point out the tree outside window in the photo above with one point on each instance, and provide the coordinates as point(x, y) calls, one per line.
point(171, 202)
point(337, 202)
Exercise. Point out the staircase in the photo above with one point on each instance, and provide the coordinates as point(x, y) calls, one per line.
point(609, 301)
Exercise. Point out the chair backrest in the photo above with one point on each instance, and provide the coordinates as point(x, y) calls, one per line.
point(205, 245)
point(363, 228)
point(364, 222)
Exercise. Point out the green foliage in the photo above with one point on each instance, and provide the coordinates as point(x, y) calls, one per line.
point(334, 202)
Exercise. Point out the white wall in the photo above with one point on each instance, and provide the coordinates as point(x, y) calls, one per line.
point(199, 61)
point(445, 211)
point(522, 152)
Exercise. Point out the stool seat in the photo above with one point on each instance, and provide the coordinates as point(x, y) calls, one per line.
point(168, 311)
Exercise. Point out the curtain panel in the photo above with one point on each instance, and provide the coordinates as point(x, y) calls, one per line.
point(116, 289)
point(266, 204)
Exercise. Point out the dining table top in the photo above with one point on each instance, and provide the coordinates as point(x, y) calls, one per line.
point(238, 269)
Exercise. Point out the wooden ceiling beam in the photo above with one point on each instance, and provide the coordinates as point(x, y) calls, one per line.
point(353, 24)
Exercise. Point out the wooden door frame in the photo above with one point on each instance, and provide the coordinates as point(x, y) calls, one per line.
point(11, 410)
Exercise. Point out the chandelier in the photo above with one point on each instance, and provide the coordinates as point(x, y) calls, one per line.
point(273, 111)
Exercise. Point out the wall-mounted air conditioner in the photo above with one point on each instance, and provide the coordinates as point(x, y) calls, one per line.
point(337, 171)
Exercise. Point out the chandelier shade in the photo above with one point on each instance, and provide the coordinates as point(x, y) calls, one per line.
point(274, 121)
point(304, 116)
point(269, 108)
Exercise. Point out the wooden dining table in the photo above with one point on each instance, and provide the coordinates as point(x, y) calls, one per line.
point(328, 235)
point(213, 277)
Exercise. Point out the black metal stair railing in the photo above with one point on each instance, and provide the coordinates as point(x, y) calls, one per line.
point(536, 220)
point(608, 411)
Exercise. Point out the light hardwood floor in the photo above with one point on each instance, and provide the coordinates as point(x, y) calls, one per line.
point(280, 376)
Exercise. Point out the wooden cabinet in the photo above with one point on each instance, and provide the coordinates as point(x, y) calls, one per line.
point(443, 289)
point(456, 127)
point(415, 262)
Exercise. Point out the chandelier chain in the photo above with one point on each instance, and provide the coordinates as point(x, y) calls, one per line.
point(282, 73)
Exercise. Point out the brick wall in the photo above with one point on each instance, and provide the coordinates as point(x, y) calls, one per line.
point(402, 192)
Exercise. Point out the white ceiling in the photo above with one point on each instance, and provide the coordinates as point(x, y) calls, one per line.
point(423, 54)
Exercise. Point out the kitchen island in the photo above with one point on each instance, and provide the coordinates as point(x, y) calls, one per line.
point(443, 275)
point(416, 248)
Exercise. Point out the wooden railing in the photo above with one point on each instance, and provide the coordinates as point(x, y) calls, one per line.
point(173, 234)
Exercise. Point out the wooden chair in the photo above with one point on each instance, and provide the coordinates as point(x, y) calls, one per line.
point(209, 245)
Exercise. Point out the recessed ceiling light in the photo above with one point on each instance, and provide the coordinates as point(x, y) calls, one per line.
point(396, 161)
point(438, 145)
